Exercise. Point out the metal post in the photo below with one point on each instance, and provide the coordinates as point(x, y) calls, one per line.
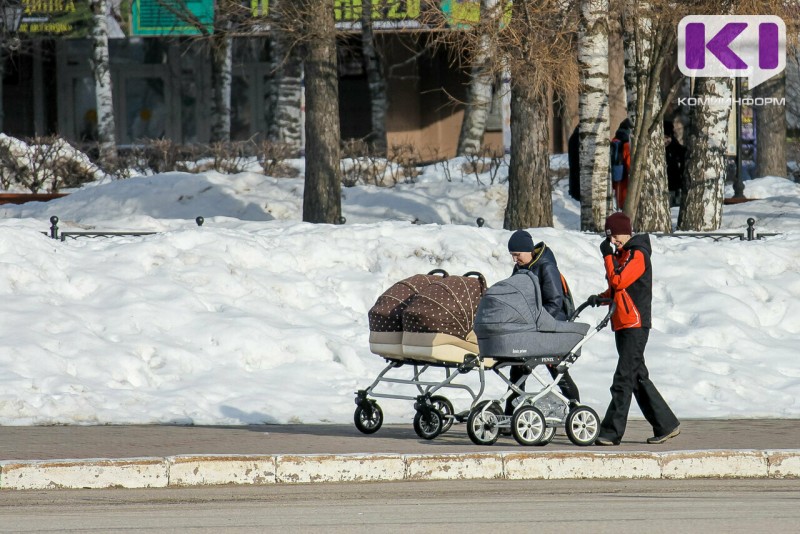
point(54, 227)
point(479, 221)
point(199, 221)
point(751, 231)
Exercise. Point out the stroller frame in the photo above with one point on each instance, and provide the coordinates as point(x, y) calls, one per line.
point(529, 424)
point(434, 413)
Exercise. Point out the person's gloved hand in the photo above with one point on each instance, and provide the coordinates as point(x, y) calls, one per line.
point(593, 300)
point(605, 247)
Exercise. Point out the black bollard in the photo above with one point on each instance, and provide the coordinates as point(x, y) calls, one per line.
point(199, 221)
point(341, 220)
point(480, 222)
point(751, 231)
point(54, 227)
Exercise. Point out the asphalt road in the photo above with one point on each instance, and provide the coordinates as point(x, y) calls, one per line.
point(703, 506)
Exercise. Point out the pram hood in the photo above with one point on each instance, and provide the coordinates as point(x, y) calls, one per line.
point(511, 321)
point(386, 315)
point(447, 306)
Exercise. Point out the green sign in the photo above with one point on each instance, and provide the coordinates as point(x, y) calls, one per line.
point(172, 17)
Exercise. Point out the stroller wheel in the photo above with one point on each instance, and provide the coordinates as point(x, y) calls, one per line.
point(583, 425)
point(547, 438)
point(482, 425)
point(528, 425)
point(445, 407)
point(430, 426)
point(368, 417)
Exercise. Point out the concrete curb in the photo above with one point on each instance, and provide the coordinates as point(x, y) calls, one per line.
point(199, 470)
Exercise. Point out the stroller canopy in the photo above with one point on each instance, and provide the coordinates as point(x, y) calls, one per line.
point(511, 321)
point(386, 315)
point(446, 306)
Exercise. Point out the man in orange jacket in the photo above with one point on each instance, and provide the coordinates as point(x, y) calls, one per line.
point(630, 286)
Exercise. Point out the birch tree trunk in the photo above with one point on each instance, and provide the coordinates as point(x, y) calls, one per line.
point(652, 213)
point(285, 96)
point(221, 78)
point(647, 201)
point(479, 96)
point(530, 203)
point(593, 113)
point(322, 198)
point(379, 101)
point(101, 69)
point(701, 209)
point(771, 128)
point(2, 75)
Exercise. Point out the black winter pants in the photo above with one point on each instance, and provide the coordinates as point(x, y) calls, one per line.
point(632, 379)
point(568, 387)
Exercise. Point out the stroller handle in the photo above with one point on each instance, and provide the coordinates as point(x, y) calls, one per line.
point(602, 324)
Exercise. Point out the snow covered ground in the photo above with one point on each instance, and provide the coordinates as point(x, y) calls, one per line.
point(258, 317)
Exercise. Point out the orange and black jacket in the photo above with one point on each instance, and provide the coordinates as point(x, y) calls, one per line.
point(630, 283)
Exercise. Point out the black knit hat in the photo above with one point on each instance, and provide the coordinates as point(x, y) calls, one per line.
point(521, 241)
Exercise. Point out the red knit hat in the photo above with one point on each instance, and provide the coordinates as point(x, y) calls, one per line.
point(618, 224)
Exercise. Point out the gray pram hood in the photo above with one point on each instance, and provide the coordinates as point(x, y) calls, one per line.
point(512, 323)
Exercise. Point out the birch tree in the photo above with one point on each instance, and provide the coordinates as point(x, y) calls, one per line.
point(701, 207)
point(221, 80)
point(2, 72)
point(648, 41)
point(593, 113)
point(379, 101)
point(479, 95)
point(101, 70)
point(220, 39)
point(285, 94)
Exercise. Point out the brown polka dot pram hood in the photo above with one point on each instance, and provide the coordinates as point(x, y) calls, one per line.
point(418, 314)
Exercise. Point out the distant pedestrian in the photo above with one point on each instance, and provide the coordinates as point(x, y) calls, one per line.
point(574, 160)
point(620, 156)
point(630, 285)
point(676, 162)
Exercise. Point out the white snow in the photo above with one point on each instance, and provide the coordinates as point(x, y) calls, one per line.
point(258, 317)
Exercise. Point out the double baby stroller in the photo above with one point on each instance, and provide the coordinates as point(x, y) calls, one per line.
point(422, 326)
point(430, 321)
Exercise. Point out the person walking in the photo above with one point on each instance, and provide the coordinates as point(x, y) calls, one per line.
point(541, 261)
point(675, 154)
point(630, 282)
point(621, 161)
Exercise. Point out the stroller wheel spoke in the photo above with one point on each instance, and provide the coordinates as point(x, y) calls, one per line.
point(482, 424)
point(582, 426)
point(368, 417)
point(528, 425)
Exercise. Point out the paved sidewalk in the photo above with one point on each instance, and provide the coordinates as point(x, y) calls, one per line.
point(127, 441)
point(164, 455)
